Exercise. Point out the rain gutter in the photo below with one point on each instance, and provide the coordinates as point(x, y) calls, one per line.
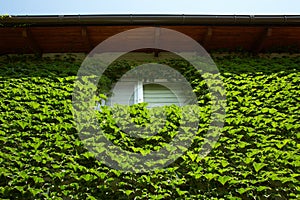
point(150, 20)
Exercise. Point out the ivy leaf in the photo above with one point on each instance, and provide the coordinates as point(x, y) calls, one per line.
point(38, 179)
point(243, 190)
point(34, 105)
point(89, 197)
point(262, 188)
point(181, 192)
point(224, 179)
point(296, 163)
point(128, 192)
point(35, 191)
point(210, 176)
point(248, 160)
point(192, 155)
point(20, 189)
point(224, 163)
point(102, 175)
point(88, 177)
point(281, 144)
point(243, 144)
point(116, 172)
point(145, 151)
point(22, 124)
point(258, 166)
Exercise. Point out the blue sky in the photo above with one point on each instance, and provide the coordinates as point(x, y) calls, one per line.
point(38, 7)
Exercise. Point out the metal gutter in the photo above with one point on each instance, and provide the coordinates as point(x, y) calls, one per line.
point(154, 20)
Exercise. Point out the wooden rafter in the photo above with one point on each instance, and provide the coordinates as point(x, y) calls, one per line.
point(31, 42)
point(207, 37)
point(86, 39)
point(156, 40)
point(260, 42)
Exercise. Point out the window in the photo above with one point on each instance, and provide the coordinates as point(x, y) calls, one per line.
point(154, 94)
point(158, 92)
point(156, 84)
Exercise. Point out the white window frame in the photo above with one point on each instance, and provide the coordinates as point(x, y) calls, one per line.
point(138, 93)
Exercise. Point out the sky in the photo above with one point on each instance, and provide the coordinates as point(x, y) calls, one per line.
point(66, 7)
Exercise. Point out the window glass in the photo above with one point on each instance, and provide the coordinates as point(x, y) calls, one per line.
point(158, 95)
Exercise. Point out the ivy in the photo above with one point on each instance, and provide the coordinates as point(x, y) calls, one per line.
point(256, 157)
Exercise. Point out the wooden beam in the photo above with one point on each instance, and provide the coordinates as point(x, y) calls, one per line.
point(261, 40)
point(156, 41)
point(207, 37)
point(86, 39)
point(31, 42)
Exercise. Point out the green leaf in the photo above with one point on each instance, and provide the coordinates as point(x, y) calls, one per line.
point(243, 144)
point(262, 188)
point(34, 105)
point(224, 163)
point(38, 179)
point(192, 155)
point(282, 143)
point(244, 190)
point(20, 188)
point(128, 192)
point(116, 172)
point(210, 176)
point(224, 179)
point(258, 166)
point(101, 175)
point(181, 192)
point(249, 160)
point(35, 191)
point(22, 124)
point(88, 177)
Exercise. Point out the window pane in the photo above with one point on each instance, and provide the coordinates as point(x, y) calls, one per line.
point(158, 95)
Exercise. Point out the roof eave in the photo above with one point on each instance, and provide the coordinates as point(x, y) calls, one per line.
point(154, 20)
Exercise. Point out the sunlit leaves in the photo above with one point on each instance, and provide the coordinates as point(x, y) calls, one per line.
point(256, 157)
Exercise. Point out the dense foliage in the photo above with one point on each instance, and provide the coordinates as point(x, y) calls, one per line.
point(256, 157)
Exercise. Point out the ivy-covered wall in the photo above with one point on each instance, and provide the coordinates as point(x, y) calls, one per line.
point(257, 155)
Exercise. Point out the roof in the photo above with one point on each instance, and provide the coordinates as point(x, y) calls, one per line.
point(81, 33)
